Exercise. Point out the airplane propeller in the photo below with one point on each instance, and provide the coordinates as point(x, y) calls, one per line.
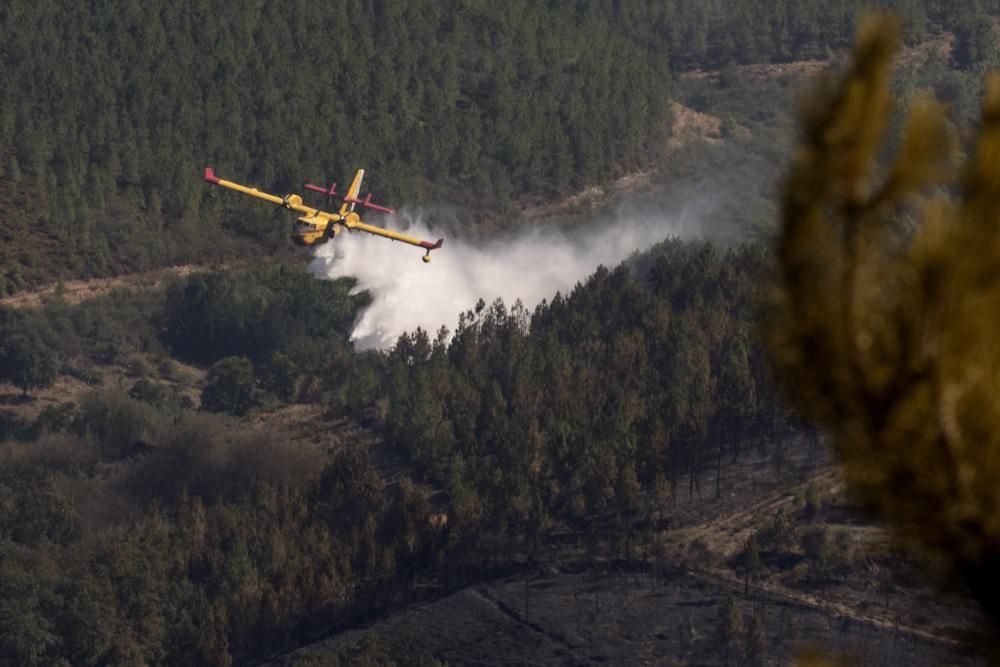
point(290, 200)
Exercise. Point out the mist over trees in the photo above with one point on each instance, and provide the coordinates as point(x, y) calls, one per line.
point(627, 385)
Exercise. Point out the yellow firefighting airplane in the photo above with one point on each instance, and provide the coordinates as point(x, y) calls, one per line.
point(316, 226)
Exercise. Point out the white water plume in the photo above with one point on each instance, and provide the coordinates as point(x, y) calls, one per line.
point(530, 265)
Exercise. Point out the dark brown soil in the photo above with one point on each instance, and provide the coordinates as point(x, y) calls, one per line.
point(578, 608)
point(619, 618)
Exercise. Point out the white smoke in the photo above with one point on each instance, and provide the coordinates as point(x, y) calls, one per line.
point(530, 265)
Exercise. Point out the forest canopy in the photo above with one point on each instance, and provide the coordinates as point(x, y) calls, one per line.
point(109, 113)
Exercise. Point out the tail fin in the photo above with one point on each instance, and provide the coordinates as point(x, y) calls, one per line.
point(352, 192)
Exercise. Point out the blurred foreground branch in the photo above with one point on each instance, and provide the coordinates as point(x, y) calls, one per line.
point(892, 341)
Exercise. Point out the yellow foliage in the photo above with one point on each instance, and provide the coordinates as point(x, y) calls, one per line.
point(894, 345)
point(816, 657)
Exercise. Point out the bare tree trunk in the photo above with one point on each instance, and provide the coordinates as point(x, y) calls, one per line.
point(697, 476)
point(718, 471)
point(738, 441)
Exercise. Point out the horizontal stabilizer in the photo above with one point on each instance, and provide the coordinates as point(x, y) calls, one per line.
point(347, 199)
point(367, 203)
point(331, 192)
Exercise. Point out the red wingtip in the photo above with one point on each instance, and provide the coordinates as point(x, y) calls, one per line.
point(432, 246)
point(210, 176)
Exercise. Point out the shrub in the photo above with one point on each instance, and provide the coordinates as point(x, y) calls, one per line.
point(53, 418)
point(147, 391)
point(230, 387)
point(116, 423)
point(25, 361)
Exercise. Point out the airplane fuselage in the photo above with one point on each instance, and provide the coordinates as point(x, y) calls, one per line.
point(308, 234)
point(316, 230)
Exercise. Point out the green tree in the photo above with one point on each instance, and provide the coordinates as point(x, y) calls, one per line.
point(279, 376)
point(752, 564)
point(28, 635)
point(26, 362)
point(975, 43)
point(147, 391)
point(730, 628)
point(816, 545)
point(779, 536)
point(756, 642)
point(230, 387)
point(115, 422)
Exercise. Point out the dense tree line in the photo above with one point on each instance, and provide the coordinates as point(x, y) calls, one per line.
point(641, 379)
point(134, 530)
point(254, 313)
point(715, 32)
point(108, 114)
point(235, 545)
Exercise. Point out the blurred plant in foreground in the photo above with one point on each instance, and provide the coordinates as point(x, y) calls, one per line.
point(891, 340)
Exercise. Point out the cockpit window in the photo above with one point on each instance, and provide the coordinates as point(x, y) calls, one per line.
point(300, 226)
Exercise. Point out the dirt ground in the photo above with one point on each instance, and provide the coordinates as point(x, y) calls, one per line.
point(619, 618)
point(76, 291)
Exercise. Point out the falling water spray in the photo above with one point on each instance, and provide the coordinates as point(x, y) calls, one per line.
point(530, 264)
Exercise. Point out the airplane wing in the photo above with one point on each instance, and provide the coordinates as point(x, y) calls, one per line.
point(352, 223)
point(292, 202)
point(353, 192)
